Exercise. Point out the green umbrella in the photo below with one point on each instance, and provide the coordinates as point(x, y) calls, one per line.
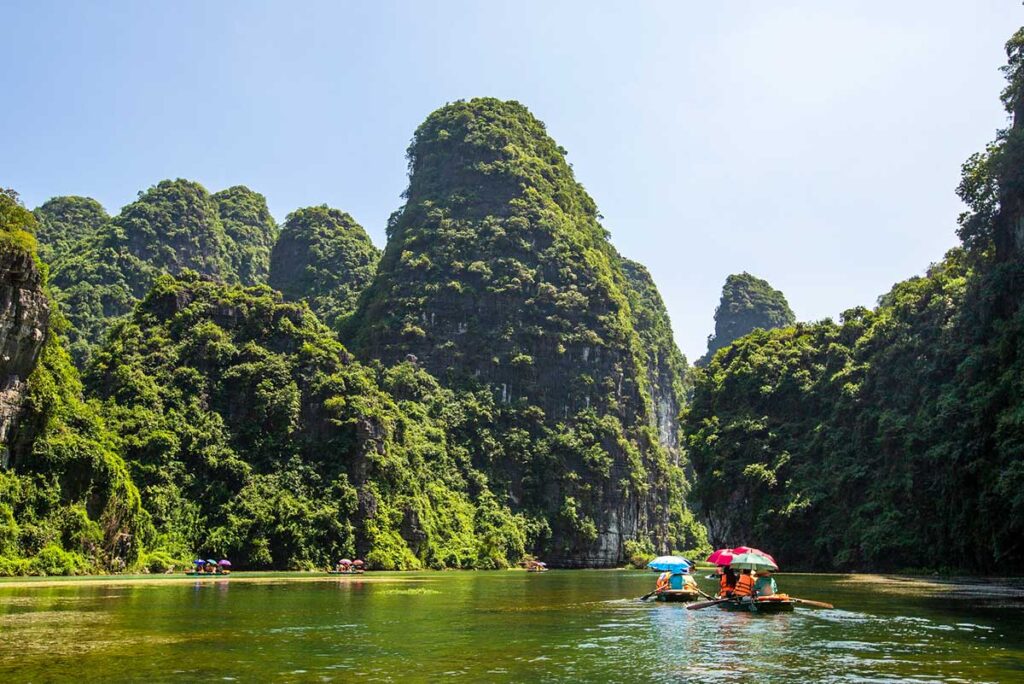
point(752, 561)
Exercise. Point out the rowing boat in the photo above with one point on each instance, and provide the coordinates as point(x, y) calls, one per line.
point(344, 572)
point(779, 603)
point(677, 595)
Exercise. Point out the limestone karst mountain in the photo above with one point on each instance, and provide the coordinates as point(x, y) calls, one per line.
point(497, 276)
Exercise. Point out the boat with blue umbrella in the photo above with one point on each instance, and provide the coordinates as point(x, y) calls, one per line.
point(676, 582)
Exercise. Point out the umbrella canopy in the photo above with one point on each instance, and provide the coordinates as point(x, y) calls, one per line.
point(749, 549)
point(676, 564)
point(753, 561)
point(199, 561)
point(344, 561)
point(357, 562)
point(721, 557)
point(224, 563)
point(210, 562)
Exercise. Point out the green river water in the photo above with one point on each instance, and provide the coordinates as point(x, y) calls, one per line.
point(504, 626)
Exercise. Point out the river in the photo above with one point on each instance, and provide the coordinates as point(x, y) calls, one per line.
point(504, 626)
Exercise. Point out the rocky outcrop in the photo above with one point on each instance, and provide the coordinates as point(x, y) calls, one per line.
point(748, 303)
point(24, 318)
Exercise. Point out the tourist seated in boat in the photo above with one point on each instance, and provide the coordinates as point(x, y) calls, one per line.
point(727, 583)
point(744, 585)
point(765, 585)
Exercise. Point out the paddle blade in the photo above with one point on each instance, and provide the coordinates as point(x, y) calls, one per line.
point(705, 604)
point(818, 604)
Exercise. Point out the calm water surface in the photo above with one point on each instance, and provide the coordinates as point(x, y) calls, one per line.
point(506, 626)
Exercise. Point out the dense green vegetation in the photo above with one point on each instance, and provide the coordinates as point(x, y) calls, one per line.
point(175, 225)
point(253, 434)
point(498, 279)
point(892, 439)
point(67, 503)
point(64, 222)
point(747, 303)
point(251, 233)
point(324, 258)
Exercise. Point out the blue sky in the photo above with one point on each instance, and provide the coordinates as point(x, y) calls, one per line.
point(815, 144)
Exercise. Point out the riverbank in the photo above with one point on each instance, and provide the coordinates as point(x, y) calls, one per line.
point(254, 577)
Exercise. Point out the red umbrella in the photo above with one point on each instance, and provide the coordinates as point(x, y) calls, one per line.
point(749, 549)
point(721, 557)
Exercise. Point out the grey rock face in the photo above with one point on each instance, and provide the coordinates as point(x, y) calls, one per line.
point(24, 317)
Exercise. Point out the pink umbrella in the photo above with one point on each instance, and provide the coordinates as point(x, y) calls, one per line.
point(344, 561)
point(749, 549)
point(721, 557)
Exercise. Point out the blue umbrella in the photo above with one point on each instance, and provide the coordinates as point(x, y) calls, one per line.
point(199, 562)
point(673, 564)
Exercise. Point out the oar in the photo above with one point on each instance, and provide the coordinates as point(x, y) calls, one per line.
point(819, 604)
point(647, 596)
point(706, 604)
point(707, 596)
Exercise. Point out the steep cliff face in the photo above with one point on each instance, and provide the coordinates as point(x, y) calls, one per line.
point(665, 365)
point(66, 221)
point(24, 319)
point(250, 230)
point(747, 303)
point(325, 258)
point(498, 276)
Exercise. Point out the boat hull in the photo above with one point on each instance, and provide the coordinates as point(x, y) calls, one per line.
point(760, 606)
point(677, 596)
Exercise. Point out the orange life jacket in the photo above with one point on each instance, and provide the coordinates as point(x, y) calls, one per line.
point(744, 586)
point(663, 580)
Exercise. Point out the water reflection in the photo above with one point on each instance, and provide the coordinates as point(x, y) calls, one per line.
point(560, 626)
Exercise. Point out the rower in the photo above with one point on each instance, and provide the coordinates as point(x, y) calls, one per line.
point(727, 583)
point(744, 585)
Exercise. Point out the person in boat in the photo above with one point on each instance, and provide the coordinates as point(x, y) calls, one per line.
point(727, 582)
point(765, 585)
point(744, 586)
point(664, 582)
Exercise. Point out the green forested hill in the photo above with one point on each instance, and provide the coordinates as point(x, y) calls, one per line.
point(747, 303)
point(175, 225)
point(857, 445)
point(325, 258)
point(497, 277)
point(64, 222)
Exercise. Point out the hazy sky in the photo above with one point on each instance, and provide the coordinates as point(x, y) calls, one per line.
point(816, 144)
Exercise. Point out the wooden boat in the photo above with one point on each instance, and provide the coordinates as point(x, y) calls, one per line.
point(191, 573)
point(779, 603)
point(345, 572)
point(677, 595)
